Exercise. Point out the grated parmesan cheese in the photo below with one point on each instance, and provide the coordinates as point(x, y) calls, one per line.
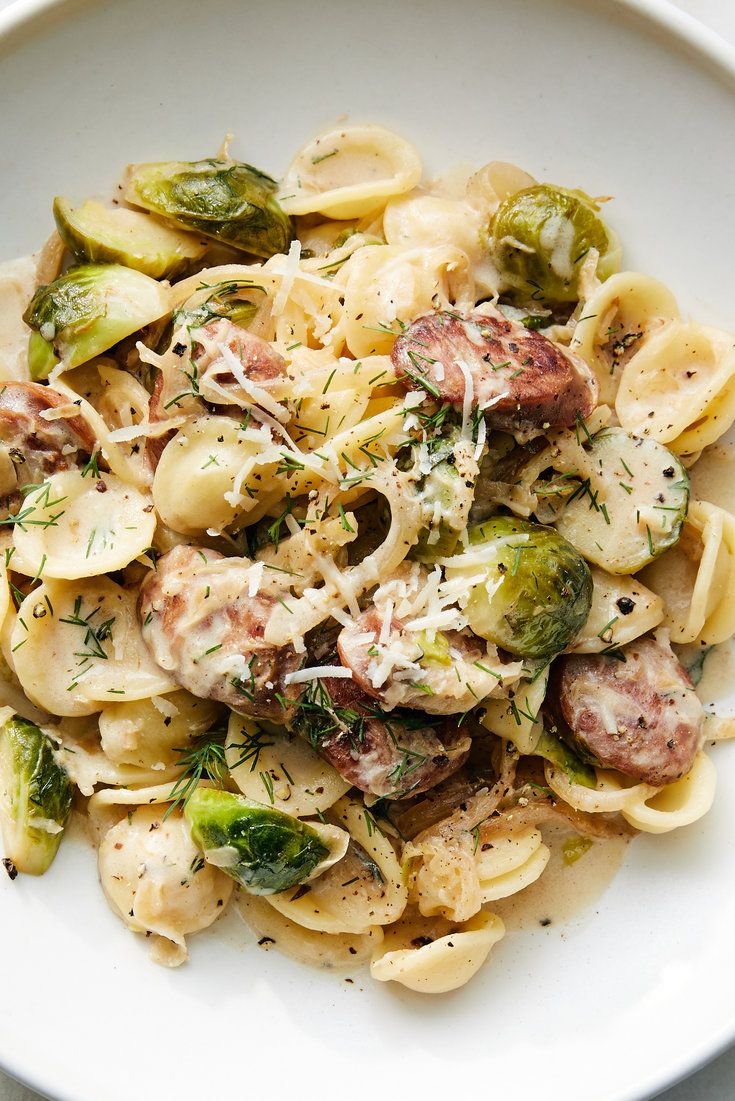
point(291, 270)
point(301, 676)
point(165, 707)
point(255, 578)
point(469, 397)
point(59, 412)
point(145, 428)
point(386, 625)
point(256, 393)
point(481, 437)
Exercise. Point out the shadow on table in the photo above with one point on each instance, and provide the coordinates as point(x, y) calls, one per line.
point(713, 1083)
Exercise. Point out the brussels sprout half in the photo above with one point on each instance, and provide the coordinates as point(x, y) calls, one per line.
point(577, 771)
point(87, 310)
point(539, 238)
point(262, 848)
point(35, 797)
point(229, 201)
point(536, 590)
point(114, 235)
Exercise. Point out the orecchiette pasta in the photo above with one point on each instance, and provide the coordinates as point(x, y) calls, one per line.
point(85, 760)
point(221, 469)
point(350, 172)
point(671, 389)
point(510, 862)
point(696, 579)
point(280, 768)
point(82, 527)
point(149, 870)
point(386, 286)
point(517, 718)
point(151, 732)
point(617, 320)
point(327, 950)
point(364, 889)
point(427, 222)
point(677, 804)
point(383, 569)
point(18, 280)
point(622, 609)
point(442, 964)
point(77, 646)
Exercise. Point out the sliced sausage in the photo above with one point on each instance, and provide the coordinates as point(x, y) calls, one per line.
point(203, 370)
point(640, 716)
point(446, 675)
point(519, 378)
point(39, 447)
point(387, 755)
point(261, 363)
point(201, 625)
point(155, 445)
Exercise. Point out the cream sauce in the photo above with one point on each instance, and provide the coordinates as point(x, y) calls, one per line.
point(563, 891)
point(17, 284)
point(712, 475)
point(716, 689)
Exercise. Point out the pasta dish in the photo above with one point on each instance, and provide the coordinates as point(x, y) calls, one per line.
point(355, 560)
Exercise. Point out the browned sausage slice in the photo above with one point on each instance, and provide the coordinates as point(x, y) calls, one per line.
point(202, 626)
point(519, 378)
point(640, 716)
point(39, 447)
point(390, 755)
point(261, 363)
point(444, 675)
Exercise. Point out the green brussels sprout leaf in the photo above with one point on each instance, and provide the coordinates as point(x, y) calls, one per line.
point(229, 201)
point(434, 649)
point(113, 235)
point(262, 848)
point(450, 485)
point(87, 310)
point(222, 300)
point(558, 753)
point(35, 796)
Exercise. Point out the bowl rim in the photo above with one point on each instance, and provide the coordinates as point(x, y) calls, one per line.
point(704, 45)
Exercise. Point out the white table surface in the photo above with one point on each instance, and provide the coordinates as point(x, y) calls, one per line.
point(715, 1082)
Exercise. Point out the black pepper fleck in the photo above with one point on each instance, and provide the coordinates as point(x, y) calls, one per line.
point(10, 868)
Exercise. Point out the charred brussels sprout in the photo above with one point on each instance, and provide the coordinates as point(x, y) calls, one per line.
point(539, 238)
point(35, 796)
point(87, 310)
point(262, 848)
point(114, 235)
point(536, 590)
point(229, 201)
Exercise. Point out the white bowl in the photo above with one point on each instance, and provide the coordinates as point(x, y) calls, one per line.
point(632, 100)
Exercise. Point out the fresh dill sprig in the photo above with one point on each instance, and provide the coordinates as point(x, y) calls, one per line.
point(204, 759)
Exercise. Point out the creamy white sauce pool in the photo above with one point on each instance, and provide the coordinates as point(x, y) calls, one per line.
point(564, 891)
